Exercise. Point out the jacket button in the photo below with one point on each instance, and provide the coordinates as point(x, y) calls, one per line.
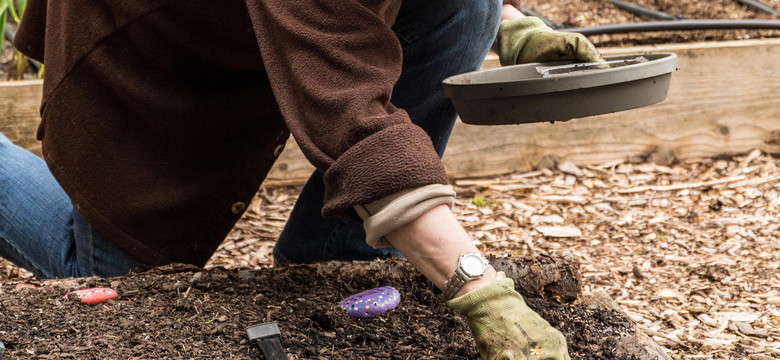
point(278, 150)
point(238, 207)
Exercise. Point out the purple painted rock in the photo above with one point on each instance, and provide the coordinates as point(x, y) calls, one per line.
point(371, 302)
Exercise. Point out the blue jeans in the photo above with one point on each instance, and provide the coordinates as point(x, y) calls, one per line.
point(39, 228)
point(440, 38)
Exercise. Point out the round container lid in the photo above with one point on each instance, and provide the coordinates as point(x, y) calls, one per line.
point(562, 90)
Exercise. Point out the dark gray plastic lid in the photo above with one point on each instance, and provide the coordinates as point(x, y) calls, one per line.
point(521, 94)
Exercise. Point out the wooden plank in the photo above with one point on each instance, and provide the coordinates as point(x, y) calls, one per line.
point(20, 102)
point(291, 168)
point(724, 100)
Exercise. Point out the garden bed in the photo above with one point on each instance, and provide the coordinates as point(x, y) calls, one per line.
point(184, 312)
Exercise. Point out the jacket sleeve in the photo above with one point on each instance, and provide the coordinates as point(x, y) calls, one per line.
point(332, 66)
point(30, 37)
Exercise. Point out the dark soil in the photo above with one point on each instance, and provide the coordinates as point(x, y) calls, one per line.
point(193, 313)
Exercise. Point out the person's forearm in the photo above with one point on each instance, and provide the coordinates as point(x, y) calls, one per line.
point(334, 95)
point(433, 242)
point(509, 12)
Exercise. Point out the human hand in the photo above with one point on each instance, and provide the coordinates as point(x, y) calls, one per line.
point(506, 328)
point(528, 39)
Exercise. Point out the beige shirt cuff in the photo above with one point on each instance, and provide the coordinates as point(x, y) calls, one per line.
point(383, 216)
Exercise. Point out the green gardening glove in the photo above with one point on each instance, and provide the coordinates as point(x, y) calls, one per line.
point(506, 328)
point(528, 40)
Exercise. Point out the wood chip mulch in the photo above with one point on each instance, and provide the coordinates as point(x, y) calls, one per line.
point(690, 251)
point(587, 13)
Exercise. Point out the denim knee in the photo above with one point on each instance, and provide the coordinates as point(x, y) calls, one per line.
point(452, 23)
point(473, 13)
point(470, 31)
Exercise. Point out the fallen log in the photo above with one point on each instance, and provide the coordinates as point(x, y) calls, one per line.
point(550, 277)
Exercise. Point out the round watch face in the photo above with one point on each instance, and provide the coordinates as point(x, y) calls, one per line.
point(472, 265)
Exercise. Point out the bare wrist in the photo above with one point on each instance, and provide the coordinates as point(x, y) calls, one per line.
point(486, 279)
point(510, 12)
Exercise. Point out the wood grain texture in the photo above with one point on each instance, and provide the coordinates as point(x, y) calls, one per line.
point(725, 99)
point(20, 102)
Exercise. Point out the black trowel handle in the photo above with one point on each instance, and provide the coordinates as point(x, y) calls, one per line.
point(268, 339)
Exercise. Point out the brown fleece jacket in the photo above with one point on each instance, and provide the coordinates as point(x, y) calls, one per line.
point(162, 118)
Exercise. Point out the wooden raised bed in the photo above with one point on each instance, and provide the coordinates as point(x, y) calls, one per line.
point(723, 100)
point(20, 102)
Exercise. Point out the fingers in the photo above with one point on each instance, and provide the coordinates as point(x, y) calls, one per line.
point(554, 46)
point(586, 51)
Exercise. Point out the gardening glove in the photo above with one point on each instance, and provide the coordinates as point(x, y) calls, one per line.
point(528, 40)
point(505, 327)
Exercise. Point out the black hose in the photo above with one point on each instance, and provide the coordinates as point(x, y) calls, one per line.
point(545, 20)
point(639, 10)
point(676, 25)
point(755, 5)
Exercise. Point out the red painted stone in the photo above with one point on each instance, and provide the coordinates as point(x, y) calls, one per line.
point(94, 295)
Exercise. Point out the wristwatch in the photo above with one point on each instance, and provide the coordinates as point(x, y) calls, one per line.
point(470, 266)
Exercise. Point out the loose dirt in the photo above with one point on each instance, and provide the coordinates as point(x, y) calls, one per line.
point(188, 313)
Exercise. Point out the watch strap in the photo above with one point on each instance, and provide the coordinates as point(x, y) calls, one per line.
point(460, 278)
point(454, 284)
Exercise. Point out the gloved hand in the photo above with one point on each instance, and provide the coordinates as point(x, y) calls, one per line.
point(529, 40)
point(506, 328)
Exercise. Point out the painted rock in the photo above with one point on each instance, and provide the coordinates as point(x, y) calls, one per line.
point(93, 296)
point(371, 302)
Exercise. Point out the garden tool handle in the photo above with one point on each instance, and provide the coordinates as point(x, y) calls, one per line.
point(268, 339)
point(271, 348)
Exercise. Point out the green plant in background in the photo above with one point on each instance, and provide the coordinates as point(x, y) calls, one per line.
point(19, 61)
point(479, 200)
point(482, 201)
